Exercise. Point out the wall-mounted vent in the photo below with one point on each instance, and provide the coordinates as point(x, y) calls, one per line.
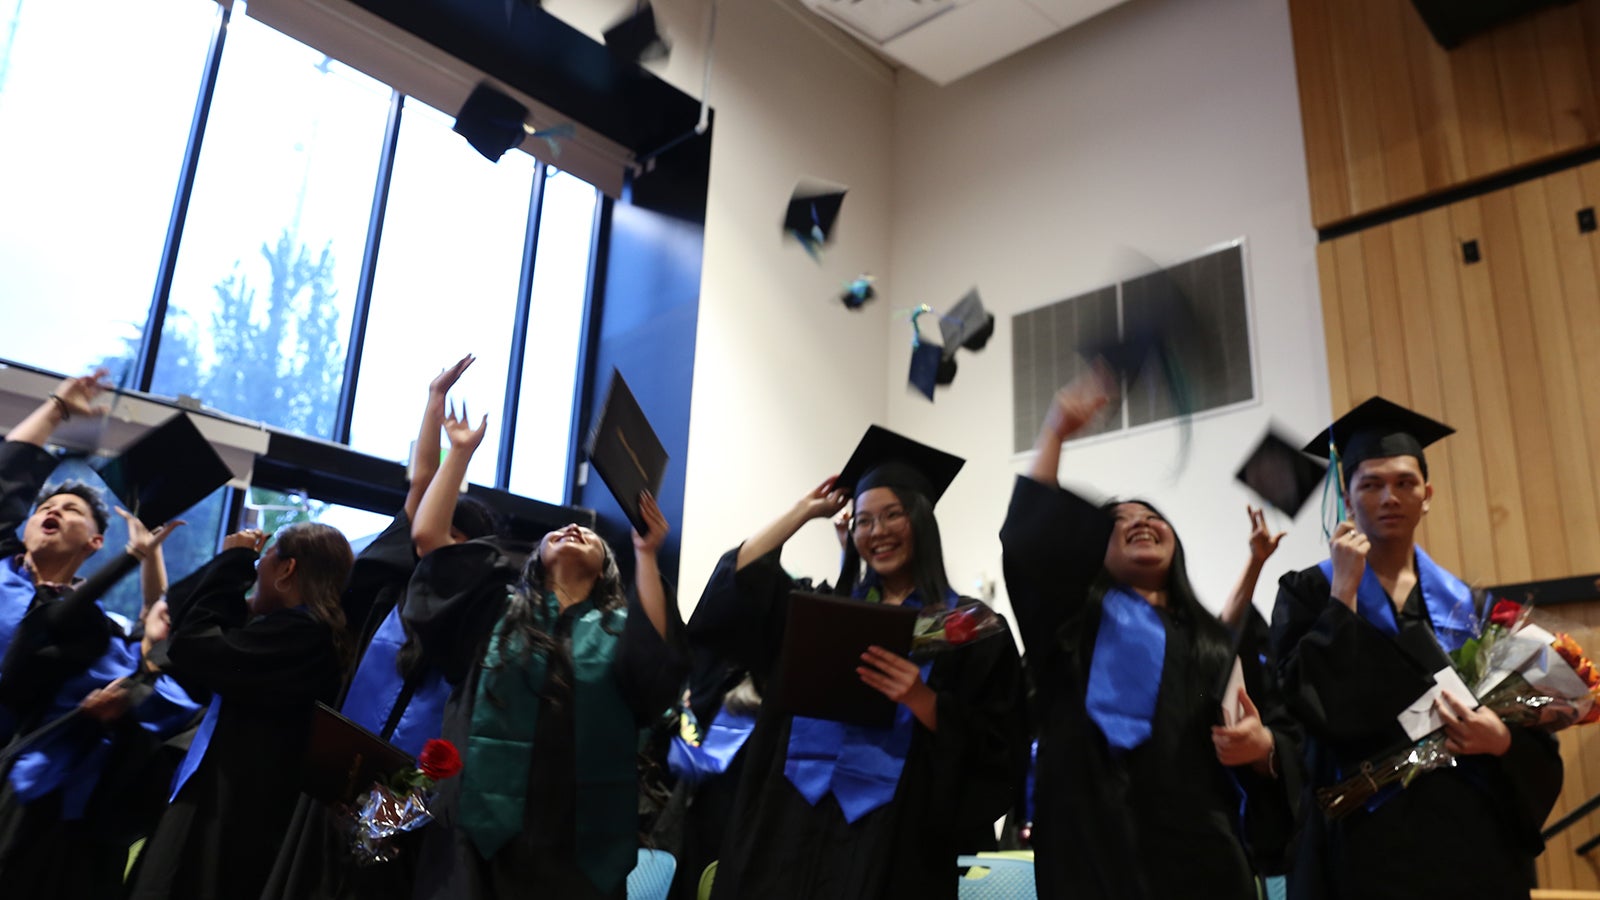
point(1214, 355)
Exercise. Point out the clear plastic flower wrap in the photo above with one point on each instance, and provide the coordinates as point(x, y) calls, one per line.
point(381, 814)
point(1530, 675)
point(946, 629)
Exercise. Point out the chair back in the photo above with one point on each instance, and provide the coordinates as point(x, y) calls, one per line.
point(1006, 879)
point(651, 878)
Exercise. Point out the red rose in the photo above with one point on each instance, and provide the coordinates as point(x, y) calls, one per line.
point(439, 759)
point(1505, 613)
point(960, 626)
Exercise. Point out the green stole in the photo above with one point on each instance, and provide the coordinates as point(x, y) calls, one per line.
point(505, 716)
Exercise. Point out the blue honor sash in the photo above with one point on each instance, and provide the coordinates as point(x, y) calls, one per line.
point(1447, 598)
point(1125, 671)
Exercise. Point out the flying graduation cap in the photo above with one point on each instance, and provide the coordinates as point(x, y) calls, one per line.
point(858, 292)
point(167, 470)
point(967, 326)
point(810, 216)
point(493, 122)
point(1280, 474)
point(634, 37)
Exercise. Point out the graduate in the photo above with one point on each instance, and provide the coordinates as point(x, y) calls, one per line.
point(1358, 638)
point(804, 826)
point(1140, 787)
point(554, 669)
point(78, 795)
point(268, 639)
point(392, 693)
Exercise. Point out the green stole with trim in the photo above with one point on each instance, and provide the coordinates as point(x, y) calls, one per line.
point(505, 716)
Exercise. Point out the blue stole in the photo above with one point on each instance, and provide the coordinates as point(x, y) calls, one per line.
point(721, 744)
point(377, 685)
point(860, 766)
point(1125, 669)
point(202, 736)
point(16, 595)
point(1447, 598)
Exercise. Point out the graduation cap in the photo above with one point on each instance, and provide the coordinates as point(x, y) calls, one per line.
point(811, 214)
point(885, 458)
point(625, 451)
point(167, 470)
point(1280, 474)
point(1376, 429)
point(967, 325)
point(858, 292)
point(491, 121)
point(634, 38)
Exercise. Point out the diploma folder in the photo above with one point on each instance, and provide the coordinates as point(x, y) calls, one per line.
point(625, 451)
point(343, 759)
point(822, 646)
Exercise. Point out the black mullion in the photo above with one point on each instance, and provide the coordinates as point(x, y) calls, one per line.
point(369, 268)
point(519, 329)
point(588, 345)
point(150, 341)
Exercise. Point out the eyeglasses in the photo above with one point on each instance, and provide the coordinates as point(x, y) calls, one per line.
point(889, 518)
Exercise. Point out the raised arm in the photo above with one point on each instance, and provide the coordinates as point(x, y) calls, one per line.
point(1263, 543)
point(145, 545)
point(652, 596)
point(821, 502)
point(1074, 405)
point(73, 397)
point(425, 453)
point(430, 530)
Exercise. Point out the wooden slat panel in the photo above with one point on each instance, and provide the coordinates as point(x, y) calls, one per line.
point(1523, 99)
point(1555, 362)
point(1362, 376)
point(1568, 83)
point(1444, 157)
point(1396, 112)
point(1333, 327)
point(1468, 496)
point(1495, 426)
point(1358, 111)
point(1484, 132)
point(1325, 164)
point(1412, 297)
point(1541, 495)
point(1383, 306)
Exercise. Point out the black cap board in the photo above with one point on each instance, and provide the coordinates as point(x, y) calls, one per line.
point(167, 470)
point(1280, 474)
point(884, 458)
point(634, 38)
point(930, 367)
point(1376, 429)
point(342, 759)
point(491, 121)
point(625, 451)
point(811, 214)
point(967, 325)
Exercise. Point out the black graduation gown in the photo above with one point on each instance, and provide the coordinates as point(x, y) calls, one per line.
point(51, 643)
point(954, 784)
point(314, 864)
point(1158, 820)
point(1468, 831)
point(218, 838)
point(455, 600)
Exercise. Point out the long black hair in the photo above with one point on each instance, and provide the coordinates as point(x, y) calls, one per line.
point(1211, 644)
point(475, 519)
point(927, 557)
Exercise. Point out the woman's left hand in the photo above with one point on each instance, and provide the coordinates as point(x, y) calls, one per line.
point(651, 542)
point(1246, 742)
point(893, 676)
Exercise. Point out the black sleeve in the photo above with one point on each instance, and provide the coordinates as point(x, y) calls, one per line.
point(1342, 678)
point(742, 612)
point(23, 470)
point(454, 598)
point(1054, 545)
point(650, 667)
point(389, 559)
point(276, 659)
point(981, 747)
point(57, 639)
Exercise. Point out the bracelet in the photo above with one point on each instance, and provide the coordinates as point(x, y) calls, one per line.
point(62, 407)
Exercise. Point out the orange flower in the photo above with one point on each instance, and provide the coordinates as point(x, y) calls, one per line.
point(1568, 648)
point(1586, 671)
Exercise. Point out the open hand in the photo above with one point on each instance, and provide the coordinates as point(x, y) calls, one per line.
point(1077, 402)
point(823, 501)
point(447, 377)
point(893, 676)
point(460, 431)
point(1263, 543)
point(77, 394)
point(252, 538)
point(142, 541)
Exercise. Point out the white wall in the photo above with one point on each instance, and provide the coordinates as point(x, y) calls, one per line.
point(1156, 130)
point(786, 379)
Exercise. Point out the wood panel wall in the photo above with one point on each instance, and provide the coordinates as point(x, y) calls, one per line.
point(1507, 350)
point(1390, 116)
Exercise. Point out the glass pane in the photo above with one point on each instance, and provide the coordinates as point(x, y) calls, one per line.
point(271, 255)
point(189, 547)
point(448, 270)
point(555, 326)
point(86, 203)
point(271, 510)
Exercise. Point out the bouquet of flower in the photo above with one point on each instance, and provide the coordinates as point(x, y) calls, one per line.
point(947, 629)
point(399, 805)
point(1528, 676)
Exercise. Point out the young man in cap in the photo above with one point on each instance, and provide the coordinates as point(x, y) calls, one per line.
point(1358, 639)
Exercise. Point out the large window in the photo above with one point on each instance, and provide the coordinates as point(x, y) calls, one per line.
point(270, 262)
point(449, 267)
point(95, 102)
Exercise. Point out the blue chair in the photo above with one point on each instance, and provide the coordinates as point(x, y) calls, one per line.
point(1277, 888)
point(1007, 879)
point(651, 878)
